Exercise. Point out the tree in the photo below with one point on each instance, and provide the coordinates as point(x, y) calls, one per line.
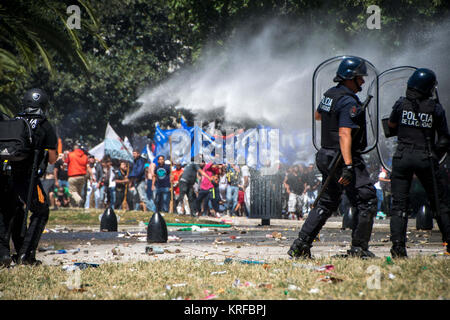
point(29, 29)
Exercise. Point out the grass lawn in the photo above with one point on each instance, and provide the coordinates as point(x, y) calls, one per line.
point(86, 217)
point(415, 278)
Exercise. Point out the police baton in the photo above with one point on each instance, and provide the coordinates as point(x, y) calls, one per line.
point(337, 159)
point(30, 191)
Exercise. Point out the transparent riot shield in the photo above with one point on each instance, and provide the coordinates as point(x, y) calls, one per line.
point(391, 86)
point(323, 80)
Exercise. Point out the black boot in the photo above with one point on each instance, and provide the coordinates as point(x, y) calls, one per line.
point(29, 259)
point(301, 248)
point(5, 261)
point(360, 252)
point(398, 250)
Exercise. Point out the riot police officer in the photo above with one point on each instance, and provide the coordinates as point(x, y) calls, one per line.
point(44, 138)
point(341, 114)
point(416, 119)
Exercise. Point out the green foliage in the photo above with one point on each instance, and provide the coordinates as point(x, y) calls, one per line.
point(32, 29)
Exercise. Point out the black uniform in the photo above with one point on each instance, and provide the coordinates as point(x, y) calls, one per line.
point(417, 117)
point(44, 138)
point(340, 107)
point(187, 181)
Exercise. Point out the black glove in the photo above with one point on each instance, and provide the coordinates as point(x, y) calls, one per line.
point(347, 174)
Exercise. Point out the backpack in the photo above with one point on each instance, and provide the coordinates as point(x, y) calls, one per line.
point(17, 139)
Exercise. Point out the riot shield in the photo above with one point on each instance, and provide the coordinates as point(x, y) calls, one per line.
point(391, 86)
point(323, 80)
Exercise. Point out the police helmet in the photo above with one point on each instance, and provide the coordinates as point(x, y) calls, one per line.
point(35, 98)
point(423, 80)
point(350, 68)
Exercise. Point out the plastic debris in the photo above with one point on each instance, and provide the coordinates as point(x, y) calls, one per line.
point(293, 287)
point(265, 285)
point(391, 276)
point(314, 290)
point(322, 268)
point(211, 296)
point(43, 249)
point(389, 260)
point(276, 235)
point(154, 250)
point(251, 262)
point(177, 285)
point(218, 272)
point(173, 238)
point(63, 251)
point(228, 260)
point(236, 283)
point(85, 265)
point(328, 279)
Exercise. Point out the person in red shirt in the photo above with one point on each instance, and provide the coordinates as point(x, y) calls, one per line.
point(77, 169)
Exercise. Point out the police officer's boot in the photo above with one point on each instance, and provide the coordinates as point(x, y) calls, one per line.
point(360, 252)
point(301, 248)
point(5, 261)
point(28, 259)
point(362, 232)
point(399, 224)
point(398, 249)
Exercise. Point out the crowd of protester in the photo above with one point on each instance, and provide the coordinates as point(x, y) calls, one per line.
point(77, 179)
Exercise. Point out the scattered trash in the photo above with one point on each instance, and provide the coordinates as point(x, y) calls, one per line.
point(177, 285)
point(265, 285)
point(199, 229)
point(236, 283)
point(328, 279)
point(63, 251)
point(211, 296)
point(314, 290)
point(391, 276)
point(218, 272)
point(251, 262)
point(389, 260)
point(228, 260)
point(322, 268)
point(43, 249)
point(293, 287)
point(154, 250)
point(173, 238)
point(85, 265)
point(276, 235)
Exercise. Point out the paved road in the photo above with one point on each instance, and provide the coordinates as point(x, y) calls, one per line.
point(246, 239)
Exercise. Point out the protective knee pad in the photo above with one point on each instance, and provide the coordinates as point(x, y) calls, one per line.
point(363, 230)
point(315, 221)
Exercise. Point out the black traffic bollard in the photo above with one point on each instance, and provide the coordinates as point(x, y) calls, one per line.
point(157, 229)
point(108, 221)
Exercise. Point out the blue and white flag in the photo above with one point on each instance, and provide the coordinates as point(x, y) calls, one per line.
point(115, 146)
